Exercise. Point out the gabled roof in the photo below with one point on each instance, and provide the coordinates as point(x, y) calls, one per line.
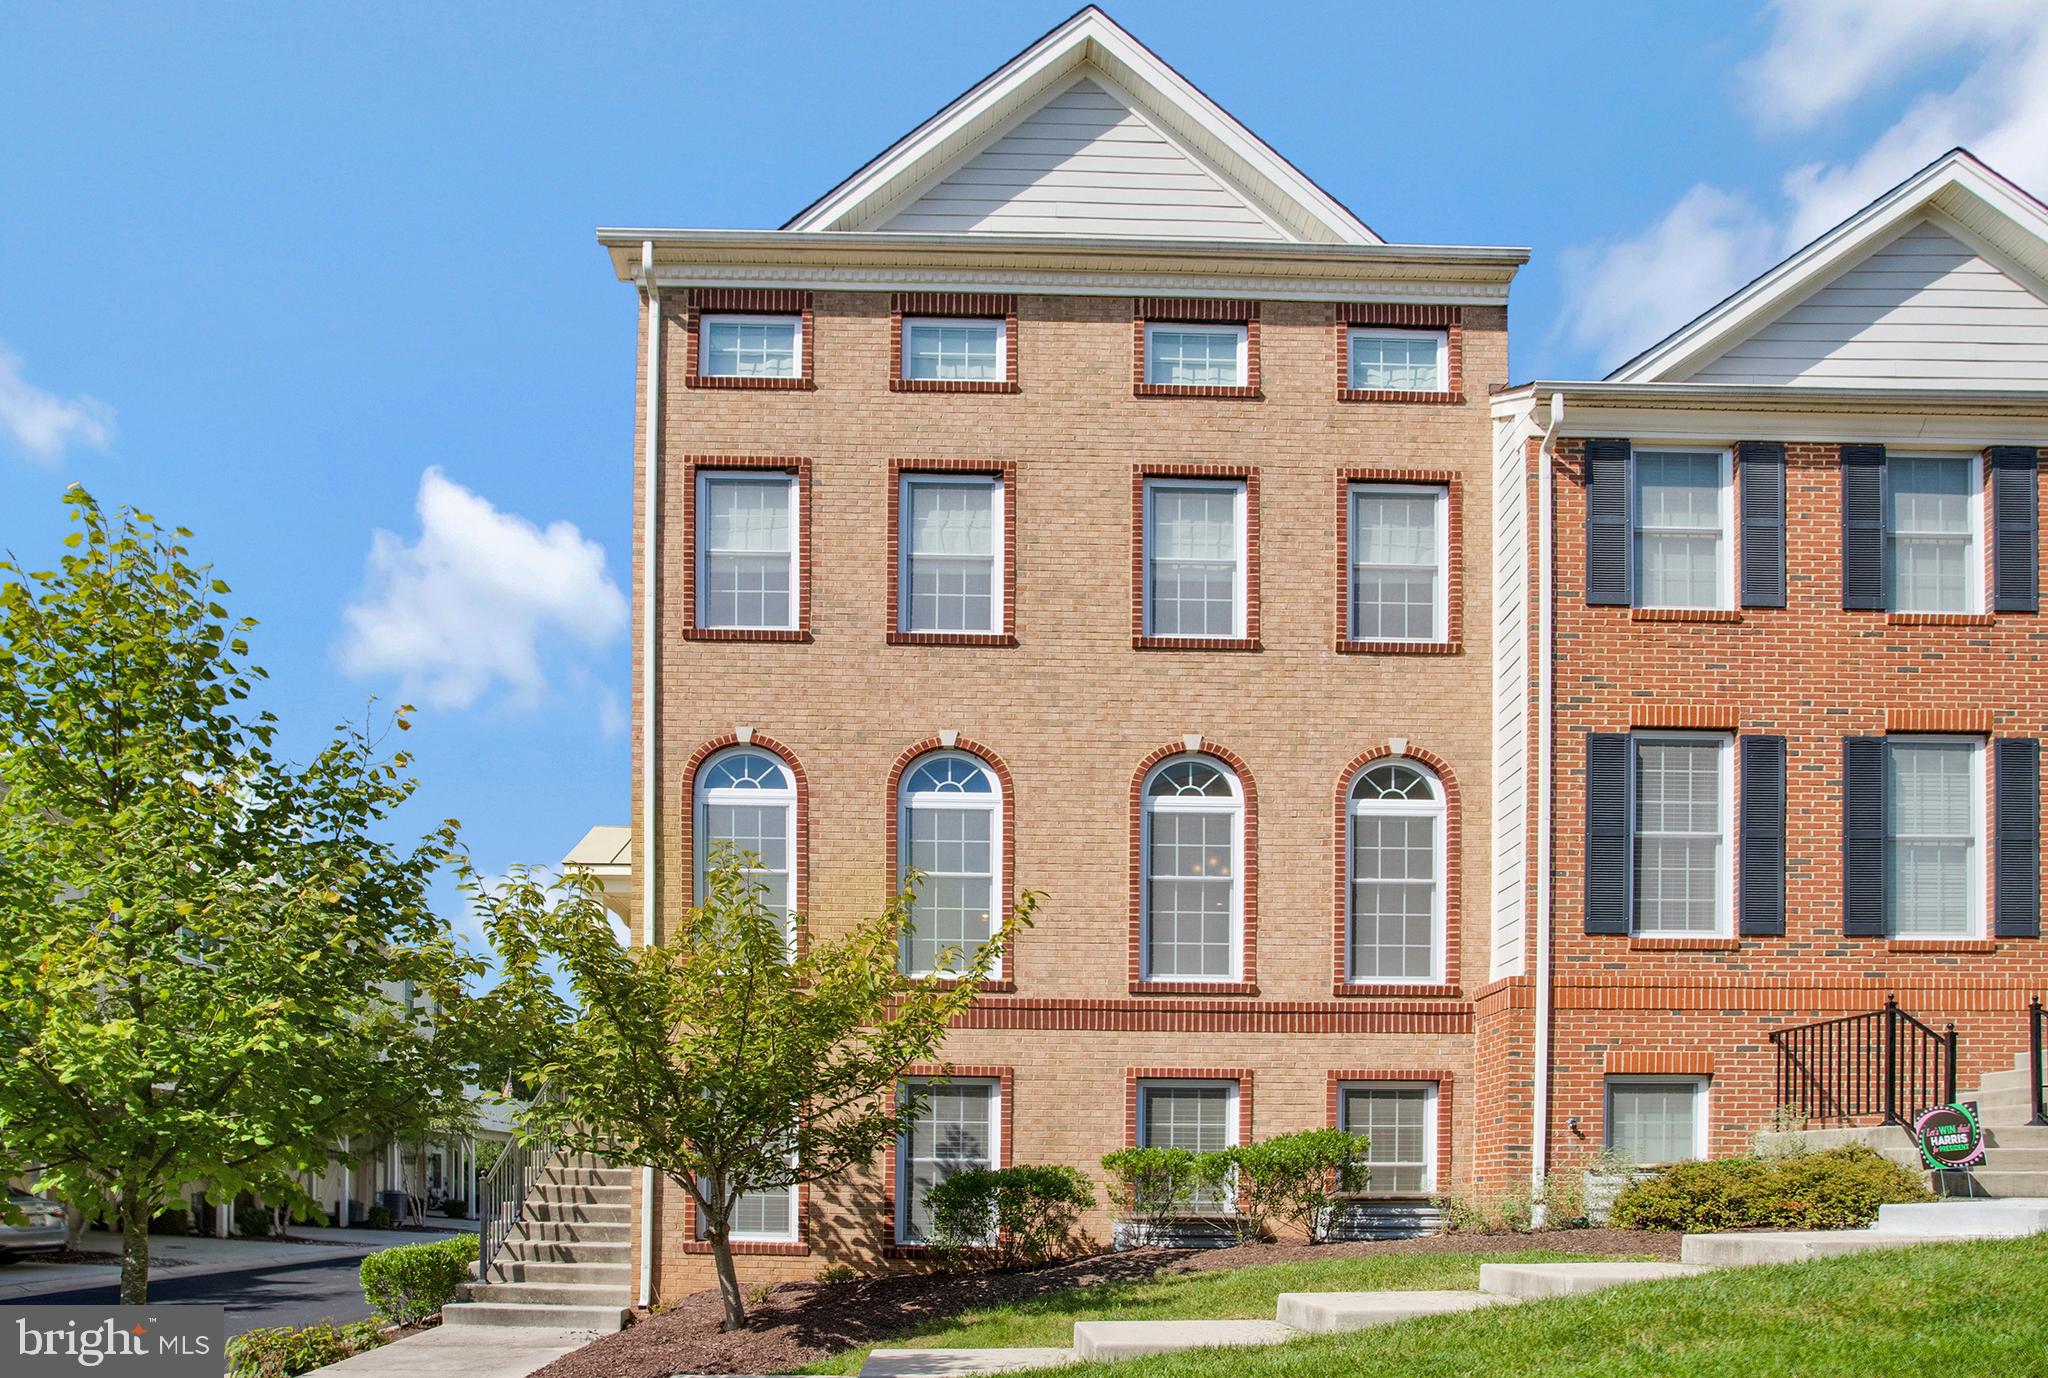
point(1955, 198)
point(1087, 83)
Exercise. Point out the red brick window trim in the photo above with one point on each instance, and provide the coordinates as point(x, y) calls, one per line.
point(1004, 472)
point(693, 467)
point(1006, 815)
point(1147, 311)
point(1658, 1064)
point(800, 859)
point(1702, 717)
point(1685, 614)
point(1136, 1077)
point(748, 301)
point(1453, 573)
point(1441, 1079)
point(1452, 866)
point(1403, 316)
point(1141, 637)
point(981, 306)
point(1247, 982)
point(754, 1248)
point(1655, 944)
point(1006, 1104)
point(1961, 721)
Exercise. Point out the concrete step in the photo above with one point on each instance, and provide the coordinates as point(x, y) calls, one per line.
point(2017, 1159)
point(574, 1231)
point(1524, 1281)
point(547, 1293)
point(603, 1274)
point(1974, 1182)
point(1323, 1313)
point(2013, 1108)
point(1130, 1339)
point(587, 1177)
point(1786, 1246)
point(588, 1193)
point(564, 1251)
point(603, 1319)
point(1965, 1219)
point(940, 1363)
point(590, 1212)
point(2011, 1079)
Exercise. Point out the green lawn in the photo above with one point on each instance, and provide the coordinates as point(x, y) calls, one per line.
point(1953, 1310)
point(1240, 1292)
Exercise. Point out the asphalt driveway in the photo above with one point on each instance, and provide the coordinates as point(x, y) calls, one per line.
point(322, 1288)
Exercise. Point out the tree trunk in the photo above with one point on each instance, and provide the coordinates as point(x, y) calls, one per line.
point(134, 1246)
point(74, 1225)
point(728, 1281)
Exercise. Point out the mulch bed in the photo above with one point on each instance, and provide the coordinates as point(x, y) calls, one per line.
point(802, 1322)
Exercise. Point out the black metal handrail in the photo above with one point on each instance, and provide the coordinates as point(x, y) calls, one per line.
point(2035, 1086)
point(1884, 1063)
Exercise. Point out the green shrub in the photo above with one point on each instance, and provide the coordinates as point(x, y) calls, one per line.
point(414, 1281)
point(377, 1217)
point(1155, 1185)
point(284, 1351)
point(1013, 1217)
point(1838, 1189)
point(1508, 1211)
point(1292, 1177)
point(251, 1219)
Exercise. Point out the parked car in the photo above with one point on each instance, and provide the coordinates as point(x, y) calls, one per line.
point(43, 1229)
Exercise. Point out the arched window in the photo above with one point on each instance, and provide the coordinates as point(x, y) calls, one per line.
point(1396, 850)
point(746, 798)
point(949, 829)
point(1193, 882)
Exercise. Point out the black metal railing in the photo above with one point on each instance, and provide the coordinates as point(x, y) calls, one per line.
point(2035, 1071)
point(1885, 1063)
point(501, 1196)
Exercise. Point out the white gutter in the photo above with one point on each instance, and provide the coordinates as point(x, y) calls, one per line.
point(650, 531)
point(1546, 522)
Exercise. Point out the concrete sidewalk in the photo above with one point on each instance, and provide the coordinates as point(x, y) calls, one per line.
point(197, 1255)
point(462, 1352)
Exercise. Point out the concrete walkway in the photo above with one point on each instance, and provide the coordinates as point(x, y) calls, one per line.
point(187, 1256)
point(456, 1352)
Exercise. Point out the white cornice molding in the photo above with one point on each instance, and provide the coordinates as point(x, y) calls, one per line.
point(880, 279)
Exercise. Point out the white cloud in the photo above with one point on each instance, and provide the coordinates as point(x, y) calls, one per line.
point(611, 713)
point(1822, 58)
point(45, 425)
point(468, 605)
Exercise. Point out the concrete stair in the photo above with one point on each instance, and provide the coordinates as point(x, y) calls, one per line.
point(1132, 1339)
point(1325, 1313)
point(945, 1363)
point(1530, 1281)
point(566, 1263)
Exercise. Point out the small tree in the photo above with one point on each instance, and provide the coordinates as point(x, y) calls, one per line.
point(724, 1060)
point(198, 938)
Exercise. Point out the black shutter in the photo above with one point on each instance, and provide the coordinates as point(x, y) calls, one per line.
point(2016, 796)
point(2015, 531)
point(1607, 523)
point(1763, 837)
point(1607, 835)
point(1762, 469)
point(1863, 837)
point(1863, 526)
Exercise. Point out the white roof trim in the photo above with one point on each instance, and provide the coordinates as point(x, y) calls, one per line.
point(1956, 185)
point(1279, 189)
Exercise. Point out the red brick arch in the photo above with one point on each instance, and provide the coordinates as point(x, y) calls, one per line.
point(687, 834)
point(1249, 985)
point(892, 855)
point(1453, 863)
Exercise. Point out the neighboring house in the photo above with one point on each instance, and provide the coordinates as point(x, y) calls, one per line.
point(1790, 559)
point(1079, 498)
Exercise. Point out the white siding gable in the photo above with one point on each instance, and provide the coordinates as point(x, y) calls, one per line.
point(1924, 309)
point(1085, 163)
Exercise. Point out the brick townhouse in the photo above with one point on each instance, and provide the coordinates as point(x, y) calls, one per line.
point(1784, 570)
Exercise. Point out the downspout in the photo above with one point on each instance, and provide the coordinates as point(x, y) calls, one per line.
point(650, 532)
point(1546, 631)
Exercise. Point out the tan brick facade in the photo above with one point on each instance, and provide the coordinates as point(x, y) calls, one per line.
point(1077, 704)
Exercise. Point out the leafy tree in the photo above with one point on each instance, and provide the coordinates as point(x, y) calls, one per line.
point(199, 940)
point(722, 1060)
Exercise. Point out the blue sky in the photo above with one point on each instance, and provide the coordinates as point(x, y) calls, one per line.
point(295, 276)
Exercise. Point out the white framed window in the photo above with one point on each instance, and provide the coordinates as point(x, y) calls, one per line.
point(1195, 557)
point(1683, 553)
point(1932, 514)
point(1195, 356)
point(747, 799)
point(1200, 1116)
point(1657, 1119)
point(957, 1127)
point(1682, 809)
point(1398, 1119)
point(1399, 544)
point(768, 1216)
point(1934, 836)
point(1395, 929)
point(739, 346)
point(1388, 360)
point(1192, 845)
point(950, 829)
point(954, 351)
point(952, 542)
point(746, 549)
